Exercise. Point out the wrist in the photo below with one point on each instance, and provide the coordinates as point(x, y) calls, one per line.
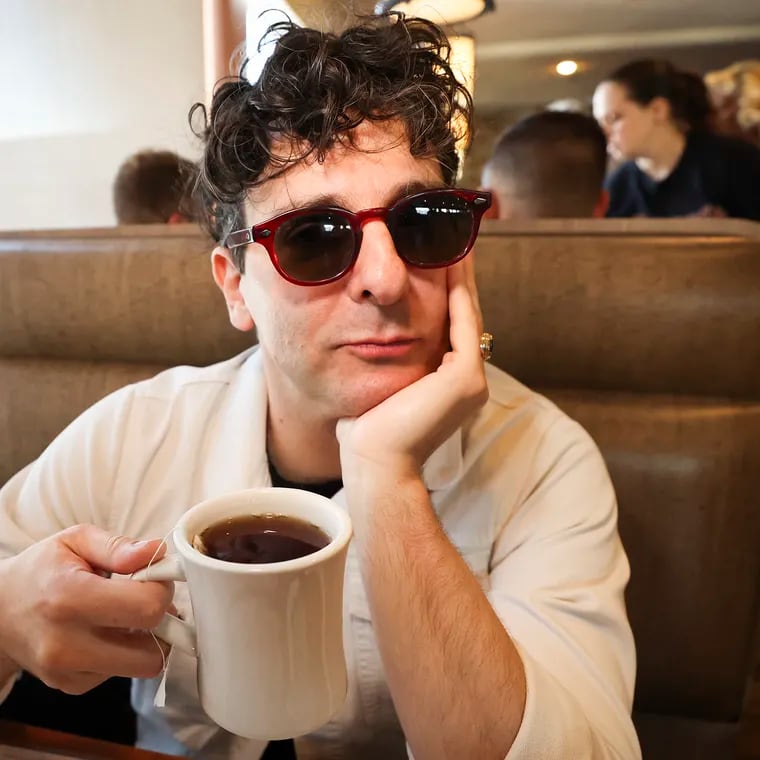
point(372, 464)
point(370, 478)
point(381, 495)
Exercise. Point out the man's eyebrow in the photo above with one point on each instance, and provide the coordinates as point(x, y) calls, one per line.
point(395, 194)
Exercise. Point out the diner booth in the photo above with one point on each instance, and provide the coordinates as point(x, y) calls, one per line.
point(644, 331)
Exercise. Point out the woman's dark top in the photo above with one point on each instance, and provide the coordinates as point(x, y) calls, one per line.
point(714, 171)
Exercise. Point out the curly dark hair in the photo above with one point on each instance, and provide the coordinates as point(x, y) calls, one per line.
point(315, 88)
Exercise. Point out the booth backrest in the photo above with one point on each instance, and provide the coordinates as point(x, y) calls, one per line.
point(646, 332)
point(85, 312)
point(651, 339)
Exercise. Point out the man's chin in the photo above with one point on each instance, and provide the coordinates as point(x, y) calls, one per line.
point(372, 394)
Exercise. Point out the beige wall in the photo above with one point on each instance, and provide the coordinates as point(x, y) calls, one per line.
point(87, 82)
point(84, 83)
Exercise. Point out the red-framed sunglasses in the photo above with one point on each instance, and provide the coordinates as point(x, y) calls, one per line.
point(317, 245)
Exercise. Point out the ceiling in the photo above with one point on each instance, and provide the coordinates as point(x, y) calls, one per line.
point(518, 44)
point(540, 19)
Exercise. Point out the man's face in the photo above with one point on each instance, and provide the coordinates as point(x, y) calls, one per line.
point(337, 350)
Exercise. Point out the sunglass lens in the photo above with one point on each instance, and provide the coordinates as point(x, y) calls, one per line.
point(315, 247)
point(432, 229)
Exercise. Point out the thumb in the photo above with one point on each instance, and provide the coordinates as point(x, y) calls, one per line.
point(114, 554)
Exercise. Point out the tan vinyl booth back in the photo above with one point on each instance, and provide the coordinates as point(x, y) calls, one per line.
point(652, 341)
point(647, 333)
point(84, 312)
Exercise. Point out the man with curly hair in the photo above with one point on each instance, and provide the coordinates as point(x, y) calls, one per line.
point(484, 613)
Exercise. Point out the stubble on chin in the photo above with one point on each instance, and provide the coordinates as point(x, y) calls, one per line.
point(374, 391)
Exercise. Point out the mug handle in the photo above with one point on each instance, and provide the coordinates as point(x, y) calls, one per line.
point(171, 629)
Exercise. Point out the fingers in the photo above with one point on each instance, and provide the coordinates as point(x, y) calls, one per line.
point(72, 683)
point(71, 626)
point(133, 654)
point(464, 310)
point(472, 286)
point(115, 554)
point(80, 661)
point(77, 595)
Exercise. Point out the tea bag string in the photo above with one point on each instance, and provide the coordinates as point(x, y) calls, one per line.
point(153, 635)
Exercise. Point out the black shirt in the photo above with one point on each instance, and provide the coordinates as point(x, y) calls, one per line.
point(713, 170)
point(285, 749)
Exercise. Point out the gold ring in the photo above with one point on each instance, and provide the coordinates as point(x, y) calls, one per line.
point(486, 345)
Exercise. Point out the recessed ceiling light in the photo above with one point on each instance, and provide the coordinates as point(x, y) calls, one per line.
point(566, 68)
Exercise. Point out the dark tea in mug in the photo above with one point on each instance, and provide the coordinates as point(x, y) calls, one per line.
point(260, 539)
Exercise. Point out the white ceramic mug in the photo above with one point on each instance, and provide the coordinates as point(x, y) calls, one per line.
point(268, 637)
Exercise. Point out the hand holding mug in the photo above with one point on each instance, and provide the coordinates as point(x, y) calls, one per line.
point(65, 621)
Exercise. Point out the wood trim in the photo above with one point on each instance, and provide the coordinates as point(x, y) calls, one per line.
point(42, 739)
point(223, 34)
point(691, 228)
point(686, 227)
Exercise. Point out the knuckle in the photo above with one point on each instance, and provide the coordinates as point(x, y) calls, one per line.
point(52, 656)
point(74, 688)
point(153, 608)
point(79, 685)
point(58, 605)
point(114, 542)
point(76, 531)
point(53, 680)
point(478, 388)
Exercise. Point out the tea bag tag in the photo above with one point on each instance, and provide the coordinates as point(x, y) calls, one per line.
point(160, 699)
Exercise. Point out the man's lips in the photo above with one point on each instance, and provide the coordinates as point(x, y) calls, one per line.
point(380, 348)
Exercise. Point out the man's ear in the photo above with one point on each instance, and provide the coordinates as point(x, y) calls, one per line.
point(227, 277)
point(600, 209)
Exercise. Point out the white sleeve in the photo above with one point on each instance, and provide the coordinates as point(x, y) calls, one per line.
point(557, 579)
point(71, 481)
point(68, 484)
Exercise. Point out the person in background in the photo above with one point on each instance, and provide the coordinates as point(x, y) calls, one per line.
point(155, 187)
point(548, 165)
point(656, 119)
point(485, 611)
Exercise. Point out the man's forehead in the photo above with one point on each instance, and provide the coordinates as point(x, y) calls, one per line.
point(375, 164)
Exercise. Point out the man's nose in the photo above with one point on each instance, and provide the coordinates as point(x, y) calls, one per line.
point(379, 273)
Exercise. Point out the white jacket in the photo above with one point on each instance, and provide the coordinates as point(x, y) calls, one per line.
point(522, 493)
